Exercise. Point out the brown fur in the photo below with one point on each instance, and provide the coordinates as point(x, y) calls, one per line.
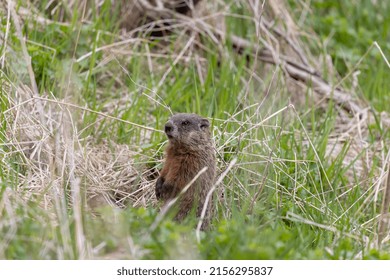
point(189, 150)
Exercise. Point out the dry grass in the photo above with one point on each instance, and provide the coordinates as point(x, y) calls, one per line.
point(53, 151)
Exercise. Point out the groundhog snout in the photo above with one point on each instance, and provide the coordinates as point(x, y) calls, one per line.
point(169, 130)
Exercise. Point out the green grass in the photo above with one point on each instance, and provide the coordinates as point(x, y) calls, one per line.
point(315, 198)
point(350, 28)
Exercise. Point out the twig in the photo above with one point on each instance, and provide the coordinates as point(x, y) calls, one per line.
point(208, 197)
point(302, 73)
point(384, 218)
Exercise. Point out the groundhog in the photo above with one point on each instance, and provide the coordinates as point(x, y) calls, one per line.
point(190, 149)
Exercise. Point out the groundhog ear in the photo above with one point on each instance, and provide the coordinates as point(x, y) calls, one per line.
point(204, 123)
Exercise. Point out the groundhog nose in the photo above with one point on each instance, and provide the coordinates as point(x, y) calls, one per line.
point(169, 129)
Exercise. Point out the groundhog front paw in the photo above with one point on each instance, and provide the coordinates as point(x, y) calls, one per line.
point(159, 189)
point(163, 190)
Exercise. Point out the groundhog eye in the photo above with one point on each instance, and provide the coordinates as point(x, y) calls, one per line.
point(185, 123)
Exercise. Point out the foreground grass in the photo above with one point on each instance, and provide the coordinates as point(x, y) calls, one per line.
point(290, 195)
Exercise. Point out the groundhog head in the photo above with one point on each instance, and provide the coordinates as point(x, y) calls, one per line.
point(188, 130)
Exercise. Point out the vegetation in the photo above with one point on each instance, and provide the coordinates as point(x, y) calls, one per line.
point(81, 140)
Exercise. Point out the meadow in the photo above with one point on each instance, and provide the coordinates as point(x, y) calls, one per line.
point(297, 93)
